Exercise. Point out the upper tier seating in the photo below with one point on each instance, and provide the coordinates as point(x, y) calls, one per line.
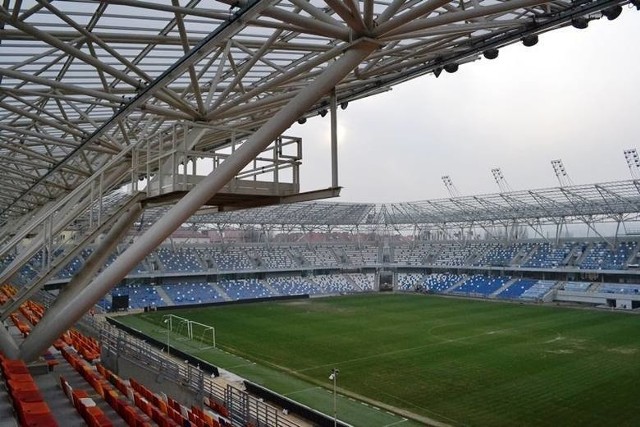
point(499, 255)
point(230, 259)
point(601, 257)
point(274, 258)
point(318, 256)
point(183, 260)
point(454, 254)
point(548, 256)
point(410, 255)
point(365, 255)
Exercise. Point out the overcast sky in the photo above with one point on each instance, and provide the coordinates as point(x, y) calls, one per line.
point(574, 96)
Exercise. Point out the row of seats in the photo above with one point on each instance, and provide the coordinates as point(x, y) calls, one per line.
point(516, 289)
point(131, 400)
point(588, 256)
point(500, 287)
point(85, 405)
point(481, 285)
point(28, 403)
point(189, 292)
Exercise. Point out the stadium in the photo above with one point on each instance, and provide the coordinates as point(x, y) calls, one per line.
point(163, 263)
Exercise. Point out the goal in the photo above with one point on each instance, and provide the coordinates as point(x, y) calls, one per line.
point(203, 335)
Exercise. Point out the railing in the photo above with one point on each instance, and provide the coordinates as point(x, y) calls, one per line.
point(168, 163)
point(242, 406)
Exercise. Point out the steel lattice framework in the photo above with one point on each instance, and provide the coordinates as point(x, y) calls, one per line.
point(612, 201)
point(82, 80)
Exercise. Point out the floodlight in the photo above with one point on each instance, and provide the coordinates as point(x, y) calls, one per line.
point(613, 12)
point(438, 71)
point(636, 3)
point(332, 376)
point(323, 112)
point(302, 120)
point(491, 53)
point(580, 22)
point(530, 40)
point(451, 68)
point(344, 105)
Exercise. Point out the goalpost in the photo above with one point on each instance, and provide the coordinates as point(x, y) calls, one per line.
point(204, 334)
point(190, 329)
point(178, 325)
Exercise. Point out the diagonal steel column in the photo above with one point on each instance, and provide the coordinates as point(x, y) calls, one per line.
point(31, 349)
point(63, 315)
point(8, 345)
point(28, 290)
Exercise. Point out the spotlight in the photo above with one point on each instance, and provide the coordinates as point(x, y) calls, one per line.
point(491, 53)
point(613, 12)
point(323, 112)
point(451, 68)
point(636, 3)
point(530, 40)
point(302, 120)
point(580, 22)
point(438, 71)
point(344, 105)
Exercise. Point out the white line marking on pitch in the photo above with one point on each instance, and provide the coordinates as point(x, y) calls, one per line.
point(301, 391)
point(240, 366)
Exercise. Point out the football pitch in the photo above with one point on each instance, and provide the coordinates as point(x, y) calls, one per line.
point(461, 362)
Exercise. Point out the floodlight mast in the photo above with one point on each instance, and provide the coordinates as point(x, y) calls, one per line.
point(498, 176)
point(561, 173)
point(453, 191)
point(633, 161)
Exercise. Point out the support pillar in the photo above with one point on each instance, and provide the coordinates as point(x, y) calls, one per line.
point(64, 314)
point(28, 290)
point(334, 139)
point(75, 205)
point(33, 346)
point(8, 345)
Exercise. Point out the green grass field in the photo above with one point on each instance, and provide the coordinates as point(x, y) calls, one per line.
point(462, 362)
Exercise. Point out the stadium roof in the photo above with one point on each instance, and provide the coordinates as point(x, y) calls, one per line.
point(612, 201)
point(82, 81)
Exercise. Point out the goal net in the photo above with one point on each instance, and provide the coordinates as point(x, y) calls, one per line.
point(178, 326)
point(203, 335)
